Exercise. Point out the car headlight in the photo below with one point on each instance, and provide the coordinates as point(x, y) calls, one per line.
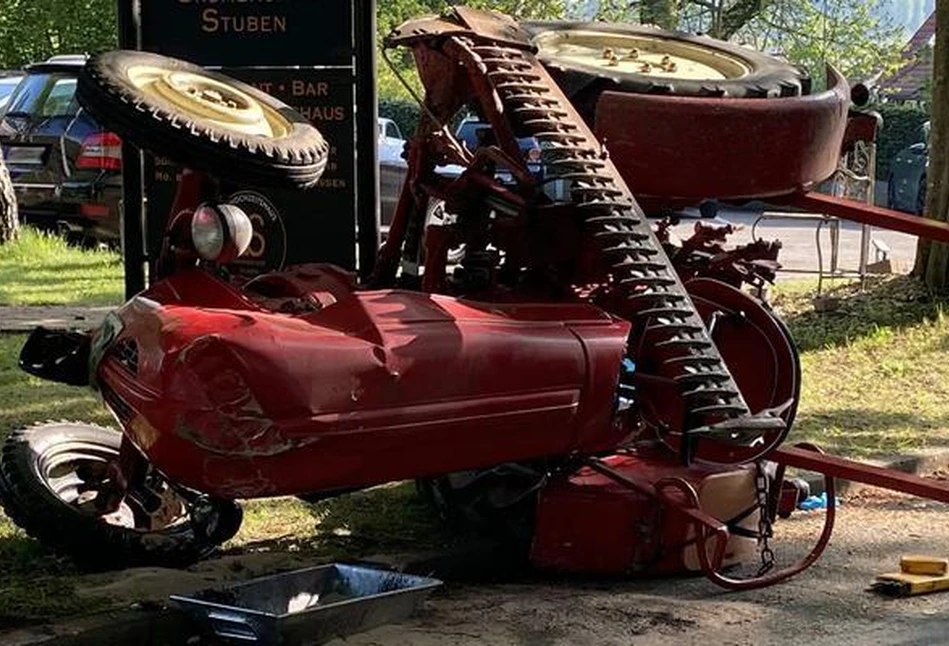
point(220, 232)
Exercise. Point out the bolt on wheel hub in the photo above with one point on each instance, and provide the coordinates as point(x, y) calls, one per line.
point(640, 54)
point(208, 98)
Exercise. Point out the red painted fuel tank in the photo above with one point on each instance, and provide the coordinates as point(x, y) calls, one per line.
point(226, 394)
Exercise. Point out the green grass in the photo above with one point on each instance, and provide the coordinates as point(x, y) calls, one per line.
point(875, 370)
point(875, 381)
point(35, 584)
point(41, 269)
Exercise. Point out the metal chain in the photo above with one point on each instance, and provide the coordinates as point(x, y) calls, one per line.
point(765, 529)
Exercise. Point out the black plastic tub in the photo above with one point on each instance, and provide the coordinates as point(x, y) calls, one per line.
point(309, 606)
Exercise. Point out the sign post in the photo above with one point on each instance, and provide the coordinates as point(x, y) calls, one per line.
point(318, 56)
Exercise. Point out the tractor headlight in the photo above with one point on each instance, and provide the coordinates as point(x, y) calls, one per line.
point(220, 232)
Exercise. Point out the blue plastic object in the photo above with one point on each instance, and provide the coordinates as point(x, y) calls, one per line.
point(816, 502)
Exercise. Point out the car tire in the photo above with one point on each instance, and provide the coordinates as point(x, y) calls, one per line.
point(35, 481)
point(163, 105)
point(755, 74)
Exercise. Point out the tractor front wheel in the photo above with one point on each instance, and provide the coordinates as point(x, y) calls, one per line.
point(54, 482)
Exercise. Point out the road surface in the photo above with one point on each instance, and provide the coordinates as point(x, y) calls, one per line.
point(799, 247)
point(828, 604)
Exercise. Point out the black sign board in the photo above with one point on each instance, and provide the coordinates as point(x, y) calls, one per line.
point(245, 33)
point(314, 56)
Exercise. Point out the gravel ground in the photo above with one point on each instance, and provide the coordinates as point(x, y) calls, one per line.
point(828, 604)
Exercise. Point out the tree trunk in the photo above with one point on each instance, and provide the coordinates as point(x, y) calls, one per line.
point(737, 16)
point(664, 13)
point(9, 221)
point(932, 259)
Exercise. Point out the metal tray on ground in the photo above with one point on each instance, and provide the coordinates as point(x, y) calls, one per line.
point(309, 606)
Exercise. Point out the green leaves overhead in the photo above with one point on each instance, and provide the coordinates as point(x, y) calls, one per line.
point(33, 30)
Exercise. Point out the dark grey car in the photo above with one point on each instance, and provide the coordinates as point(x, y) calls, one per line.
point(906, 183)
point(66, 169)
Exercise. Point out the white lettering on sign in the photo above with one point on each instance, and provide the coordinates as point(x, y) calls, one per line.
point(214, 22)
point(304, 88)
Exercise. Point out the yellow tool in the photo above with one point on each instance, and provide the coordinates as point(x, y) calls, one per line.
point(917, 575)
point(916, 564)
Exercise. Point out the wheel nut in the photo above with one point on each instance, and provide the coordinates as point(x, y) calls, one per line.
point(608, 53)
point(645, 68)
point(633, 54)
point(614, 61)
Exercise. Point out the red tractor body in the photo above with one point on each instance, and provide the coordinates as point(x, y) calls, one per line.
point(236, 399)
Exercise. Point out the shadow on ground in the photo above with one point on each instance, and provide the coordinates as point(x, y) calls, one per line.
point(864, 432)
point(895, 302)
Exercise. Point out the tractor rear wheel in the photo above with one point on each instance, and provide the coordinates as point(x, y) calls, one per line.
point(587, 58)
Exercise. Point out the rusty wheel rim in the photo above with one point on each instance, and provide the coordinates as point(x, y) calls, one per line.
point(198, 95)
point(74, 473)
point(652, 56)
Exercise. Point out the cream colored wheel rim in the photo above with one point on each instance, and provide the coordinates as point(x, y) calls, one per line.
point(209, 99)
point(644, 55)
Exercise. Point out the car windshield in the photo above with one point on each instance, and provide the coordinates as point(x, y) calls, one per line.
point(475, 134)
point(7, 85)
point(45, 95)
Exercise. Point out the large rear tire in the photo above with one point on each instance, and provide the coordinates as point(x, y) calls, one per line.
point(48, 475)
point(589, 58)
point(201, 119)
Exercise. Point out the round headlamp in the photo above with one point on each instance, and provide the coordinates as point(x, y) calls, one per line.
point(220, 232)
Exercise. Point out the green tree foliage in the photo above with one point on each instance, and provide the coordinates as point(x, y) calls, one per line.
point(392, 13)
point(845, 33)
point(33, 30)
point(902, 127)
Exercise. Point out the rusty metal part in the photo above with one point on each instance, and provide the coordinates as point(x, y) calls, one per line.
point(681, 498)
point(681, 150)
point(705, 254)
point(516, 93)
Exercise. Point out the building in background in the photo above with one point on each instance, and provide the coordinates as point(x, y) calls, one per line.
point(912, 81)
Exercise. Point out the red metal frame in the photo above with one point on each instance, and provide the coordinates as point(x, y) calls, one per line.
point(681, 150)
point(872, 215)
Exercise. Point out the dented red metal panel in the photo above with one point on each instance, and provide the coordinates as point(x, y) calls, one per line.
point(376, 386)
point(685, 149)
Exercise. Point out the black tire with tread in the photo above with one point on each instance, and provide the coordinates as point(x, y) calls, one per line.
point(769, 76)
point(294, 161)
point(92, 543)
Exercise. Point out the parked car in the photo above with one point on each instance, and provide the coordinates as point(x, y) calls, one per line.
point(906, 183)
point(66, 168)
point(8, 83)
point(392, 168)
point(473, 132)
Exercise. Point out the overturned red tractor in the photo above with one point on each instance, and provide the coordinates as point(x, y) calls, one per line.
point(572, 377)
